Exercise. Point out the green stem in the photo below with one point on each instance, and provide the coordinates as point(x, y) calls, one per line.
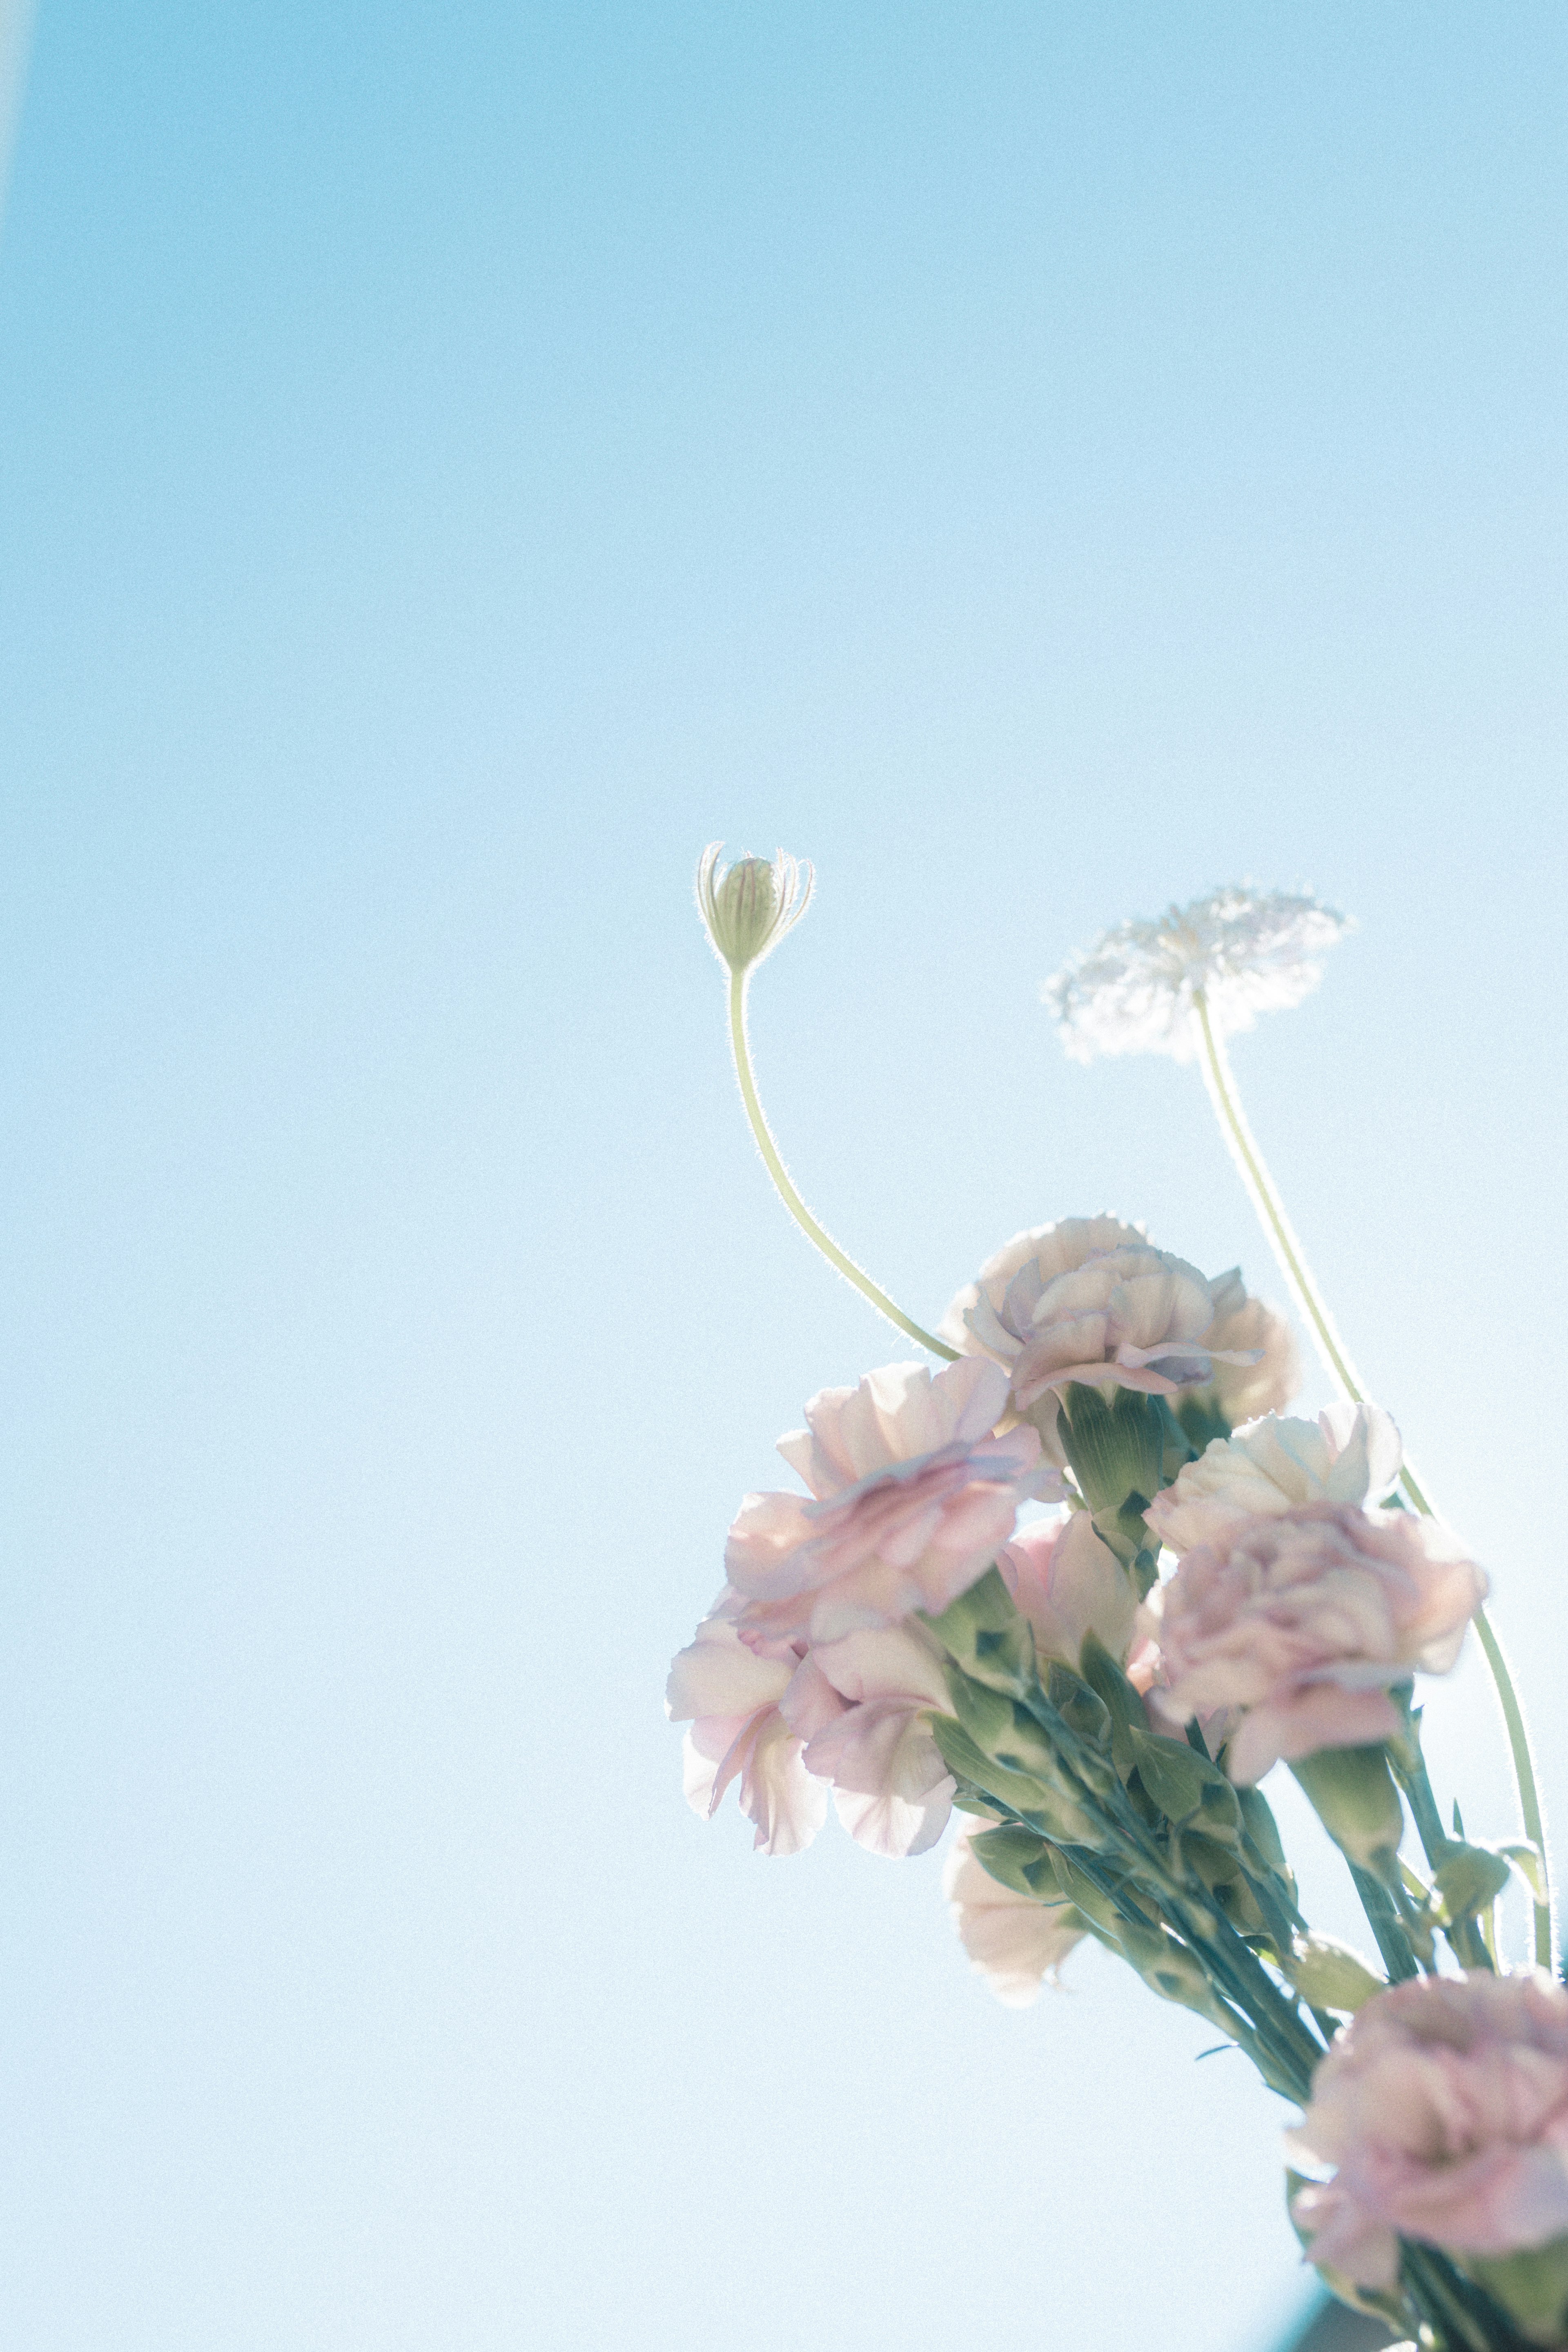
point(791, 1198)
point(1465, 1938)
point(1309, 1298)
point(1386, 1926)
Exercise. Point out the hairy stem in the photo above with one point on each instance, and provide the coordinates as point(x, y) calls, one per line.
point(1292, 1261)
point(772, 1162)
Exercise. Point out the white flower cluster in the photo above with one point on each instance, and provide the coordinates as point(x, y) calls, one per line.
point(1242, 950)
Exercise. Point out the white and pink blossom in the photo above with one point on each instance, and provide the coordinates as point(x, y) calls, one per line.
point(1068, 1584)
point(1307, 1619)
point(1350, 1454)
point(1443, 2107)
point(863, 1706)
point(913, 1496)
point(729, 1695)
point(1092, 1300)
point(1257, 1364)
point(1015, 1943)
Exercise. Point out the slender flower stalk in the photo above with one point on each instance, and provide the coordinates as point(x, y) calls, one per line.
point(746, 910)
point(740, 1045)
point(1253, 1168)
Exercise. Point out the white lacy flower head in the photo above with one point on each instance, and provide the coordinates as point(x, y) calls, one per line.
point(1245, 950)
point(1084, 1299)
point(913, 1497)
point(1015, 1943)
point(1350, 1454)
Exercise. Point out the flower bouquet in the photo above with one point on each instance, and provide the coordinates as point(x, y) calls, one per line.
point(1087, 1584)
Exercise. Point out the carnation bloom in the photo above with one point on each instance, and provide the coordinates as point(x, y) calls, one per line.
point(1069, 1584)
point(1145, 1669)
point(1350, 1454)
point(1306, 1619)
point(1256, 1366)
point(1015, 1943)
point(913, 1496)
point(1131, 1314)
point(1245, 950)
point(1443, 2106)
point(730, 1695)
point(863, 1707)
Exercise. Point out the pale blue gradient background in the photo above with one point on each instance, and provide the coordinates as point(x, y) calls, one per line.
point(1036, 462)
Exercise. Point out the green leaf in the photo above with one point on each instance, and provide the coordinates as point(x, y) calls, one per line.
point(1186, 1787)
point(1526, 1860)
point(1258, 1820)
point(1116, 1694)
point(1014, 1792)
point(1198, 1414)
point(1016, 1857)
point(1532, 2286)
point(1010, 1759)
point(985, 1634)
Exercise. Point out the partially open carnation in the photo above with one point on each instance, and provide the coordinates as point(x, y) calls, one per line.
point(1256, 1366)
point(1350, 1454)
point(730, 1696)
point(1091, 1299)
point(863, 1706)
point(1307, 1620)
point(1016, 1945)
point(1068, 1584)
point(913, 1496)
point(1444, 2106)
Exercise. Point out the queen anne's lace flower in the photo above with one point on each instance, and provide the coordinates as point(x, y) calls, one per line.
point(1444, 2105)
point(1091, 1299)
point(1246, 950)
point(913, 1496)
point(1016, 1945)
point(1307, 1619)
point(730, 1696)
point(1350, 1454)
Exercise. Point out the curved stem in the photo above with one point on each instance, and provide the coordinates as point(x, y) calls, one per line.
point(847, 1266)
point(1314, 1309)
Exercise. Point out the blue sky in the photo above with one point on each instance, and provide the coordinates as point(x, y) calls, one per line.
point(1035, 463)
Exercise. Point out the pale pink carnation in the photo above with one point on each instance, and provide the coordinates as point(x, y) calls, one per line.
point(1257, 1365)
point(1444, 2106)
point(1306, 1619)
point(1092, 1300)
point(913, 1496)
point(1350, 1454)
point(863, 1706)
point(1068, 1584)
point(1145, 1670)
point(1015, 1943)
point(730, 1695)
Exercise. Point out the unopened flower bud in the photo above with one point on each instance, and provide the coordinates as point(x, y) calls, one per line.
point(1329, 1974)
point(1351, 1792)
point(749, 907)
